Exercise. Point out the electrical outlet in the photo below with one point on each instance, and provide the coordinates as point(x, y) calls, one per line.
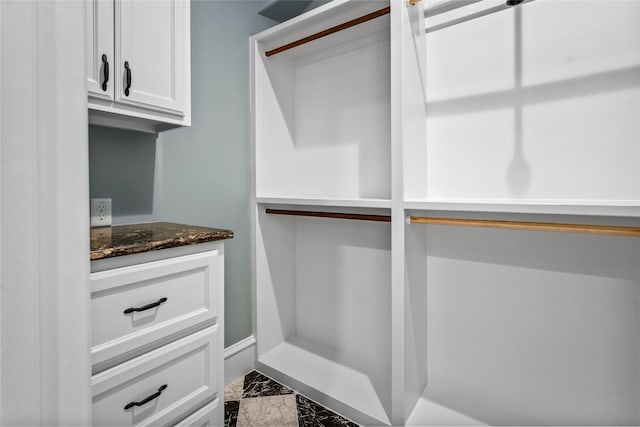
point(100, 212)
point(100, 237)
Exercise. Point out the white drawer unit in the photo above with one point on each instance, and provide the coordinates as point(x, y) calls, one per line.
point(160, 387)
point(136, 307)
point(158, 336)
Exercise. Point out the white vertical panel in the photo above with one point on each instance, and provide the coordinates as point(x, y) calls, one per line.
point(20, 359)
point(274, 125)
point(410, 87)
point(45, 242)
point(343, 270)
point(275, 271)
point(540, 328)
point(323, 121)
point(538, 102)
point(342, 125)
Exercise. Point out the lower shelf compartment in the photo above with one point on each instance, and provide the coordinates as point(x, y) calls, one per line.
point(428, 412)
point(522, 327)
point(338, 380)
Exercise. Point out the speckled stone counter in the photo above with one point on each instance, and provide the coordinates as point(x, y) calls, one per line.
point(120, 240)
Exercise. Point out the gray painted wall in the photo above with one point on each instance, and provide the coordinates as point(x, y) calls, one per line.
point(198, 175)
point(204, 170)
point(122, 167)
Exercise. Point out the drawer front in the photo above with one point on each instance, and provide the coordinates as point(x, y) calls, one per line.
point(173, 379)
point(210, 415)
point(132, 307)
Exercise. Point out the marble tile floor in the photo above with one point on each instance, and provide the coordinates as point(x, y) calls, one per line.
point(258, 401)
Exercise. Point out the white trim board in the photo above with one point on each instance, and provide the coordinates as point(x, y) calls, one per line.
point(45, 318)
point(239, 358)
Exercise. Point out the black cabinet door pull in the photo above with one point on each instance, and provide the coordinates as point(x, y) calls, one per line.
point(105, 65)
point(128, 77)
point(145, 307)
point(146, 399)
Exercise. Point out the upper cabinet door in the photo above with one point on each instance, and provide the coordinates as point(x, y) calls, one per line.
point(100, 60)
point(152, 51)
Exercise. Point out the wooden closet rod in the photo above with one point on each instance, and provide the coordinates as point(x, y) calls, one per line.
point(340, 27)
point(613, 230)
point(359, 217)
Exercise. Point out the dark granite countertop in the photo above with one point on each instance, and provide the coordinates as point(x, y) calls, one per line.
point(120, 240)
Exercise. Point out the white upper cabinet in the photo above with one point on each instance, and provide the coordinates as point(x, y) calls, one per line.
point(150, 38)
point(149, 86)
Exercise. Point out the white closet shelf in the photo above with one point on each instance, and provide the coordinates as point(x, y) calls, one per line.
point(619, 208)
point(328, 202)
point(304, 35)
point(346, 383)
point(340, 27)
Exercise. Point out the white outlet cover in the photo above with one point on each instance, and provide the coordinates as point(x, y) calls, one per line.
point(100, 212)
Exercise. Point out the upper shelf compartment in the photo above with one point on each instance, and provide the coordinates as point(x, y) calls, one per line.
point(522, 112)
point(322, 108)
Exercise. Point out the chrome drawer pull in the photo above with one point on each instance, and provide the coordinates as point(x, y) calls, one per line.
point(146, 399)
point(145, 307)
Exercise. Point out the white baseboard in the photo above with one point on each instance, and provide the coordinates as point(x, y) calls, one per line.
point(239, 359)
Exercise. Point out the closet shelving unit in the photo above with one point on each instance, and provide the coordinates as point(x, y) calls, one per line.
point(447, 209)
point(322, 142)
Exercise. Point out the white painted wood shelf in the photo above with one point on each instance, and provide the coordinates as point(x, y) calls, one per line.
point(612, 208)
point(429, 413)
point(325, 202)
point(349, 382)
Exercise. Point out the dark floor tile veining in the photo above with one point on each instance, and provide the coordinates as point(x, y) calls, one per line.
point(258, 385)
point(256, 400)
point(311, 414)
point(231, 413)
